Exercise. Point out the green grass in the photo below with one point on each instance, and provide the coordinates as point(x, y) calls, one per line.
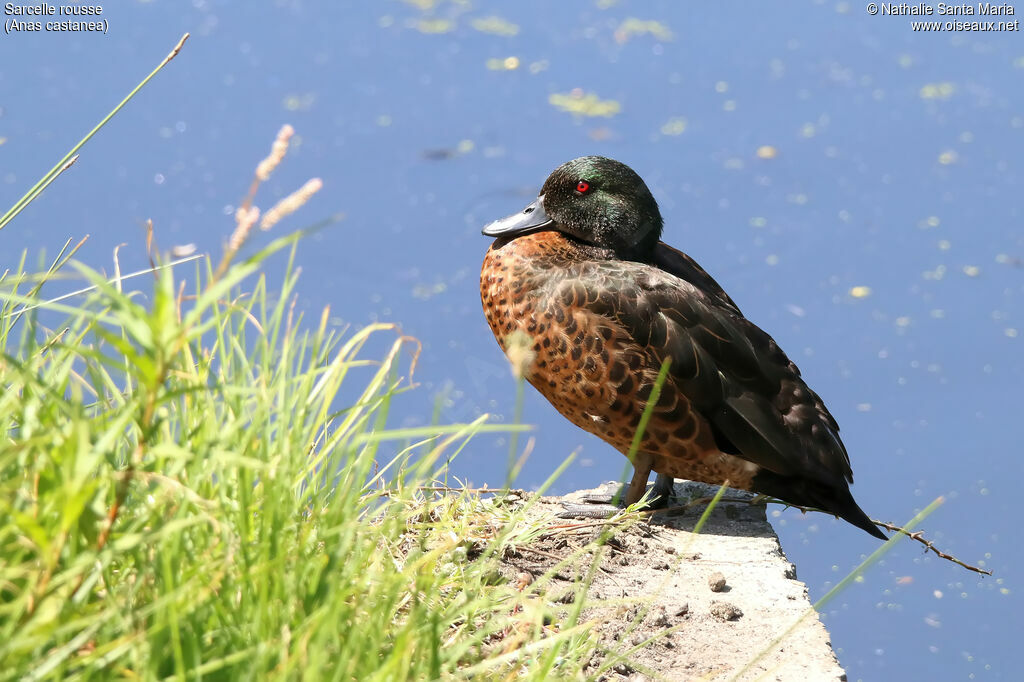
point(196, 483)
point(181, 495)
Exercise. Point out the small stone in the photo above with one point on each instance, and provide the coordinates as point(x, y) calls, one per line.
point(716, 582)
point(659, 618)
point(725, 611)
point(566, 597)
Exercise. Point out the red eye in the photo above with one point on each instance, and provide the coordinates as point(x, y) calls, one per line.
point(582, 186)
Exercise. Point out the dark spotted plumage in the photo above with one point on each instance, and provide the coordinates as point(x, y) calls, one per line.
point(583, 273)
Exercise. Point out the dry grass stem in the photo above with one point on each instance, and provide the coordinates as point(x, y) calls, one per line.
point(277, 152)
point(245, 218)
point(520, 353)
point(174, 53)
point(291, 203)
point(246, 214)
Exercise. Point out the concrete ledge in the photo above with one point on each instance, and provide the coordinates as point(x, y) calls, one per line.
point(729, 592)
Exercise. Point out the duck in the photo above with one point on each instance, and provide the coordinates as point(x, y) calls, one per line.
point(604, 304)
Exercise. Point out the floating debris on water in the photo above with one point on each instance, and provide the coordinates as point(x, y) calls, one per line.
point(434, 26)
point(580, 103)
point(425, 291)
point(506, 64)
point(1007, 259)
point(444, 153)
point(633, 27)
point(495, 26)
point(674, 126)
point(943, 90)
point(860, 291)
point(297, 102)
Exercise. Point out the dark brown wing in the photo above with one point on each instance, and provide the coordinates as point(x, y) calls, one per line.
point(685, 268)
point(733, 373)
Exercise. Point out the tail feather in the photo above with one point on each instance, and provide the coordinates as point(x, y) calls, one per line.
point(834, 499)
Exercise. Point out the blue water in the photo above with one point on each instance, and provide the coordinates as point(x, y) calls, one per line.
point(894, 164)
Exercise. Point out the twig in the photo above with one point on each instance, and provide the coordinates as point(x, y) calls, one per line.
point(541, 552)
point(615, 521)
point(448, 489)
point(929, 545)
point(916, 535)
